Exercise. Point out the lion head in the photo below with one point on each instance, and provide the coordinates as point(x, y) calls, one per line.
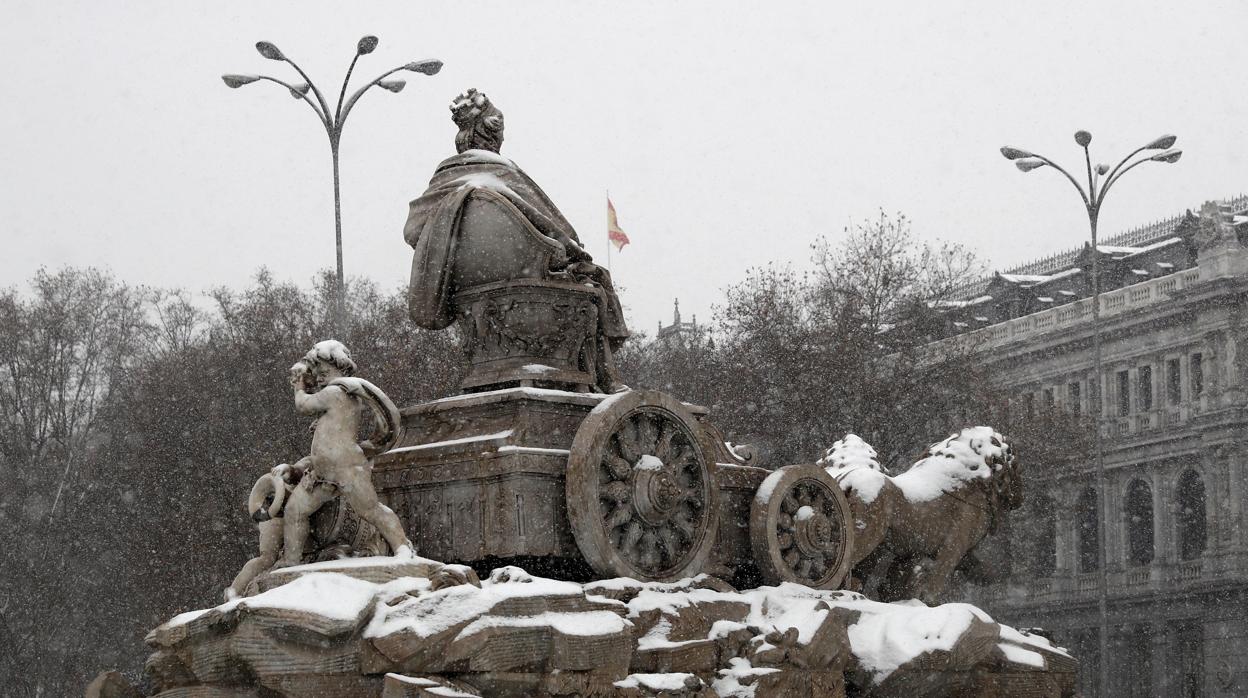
point(984, 447)
point(977, 456)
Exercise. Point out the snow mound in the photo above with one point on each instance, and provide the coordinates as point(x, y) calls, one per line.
point(974, 453)
point(849, 453)
point(853, 462)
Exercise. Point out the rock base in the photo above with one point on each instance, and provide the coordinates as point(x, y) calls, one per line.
point(418, 628)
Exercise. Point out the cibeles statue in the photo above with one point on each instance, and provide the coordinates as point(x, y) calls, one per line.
point(492, 251)
point(339, 465)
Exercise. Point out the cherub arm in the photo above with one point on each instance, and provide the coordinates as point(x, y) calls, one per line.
point(308, 403)
point(317, 403)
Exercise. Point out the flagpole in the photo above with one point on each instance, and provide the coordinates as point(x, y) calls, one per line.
point(608, 233)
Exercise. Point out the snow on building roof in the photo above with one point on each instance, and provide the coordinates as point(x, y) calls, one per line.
point(1023, 278)
point(1132, 251)
point(1138, 238)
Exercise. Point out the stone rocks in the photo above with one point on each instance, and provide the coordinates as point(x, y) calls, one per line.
point(378, 570)
point(663, 686)
point(360, 630)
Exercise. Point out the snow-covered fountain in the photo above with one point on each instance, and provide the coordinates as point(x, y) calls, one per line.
point(550, 532)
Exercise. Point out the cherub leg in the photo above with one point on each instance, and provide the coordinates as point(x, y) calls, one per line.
point(359, 493)
point(303, 502)
point(270, 544)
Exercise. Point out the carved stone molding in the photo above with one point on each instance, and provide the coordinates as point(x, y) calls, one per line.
point(529, 331)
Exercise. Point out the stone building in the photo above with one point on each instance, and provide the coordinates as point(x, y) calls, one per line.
point(679, 332)
point(1174, 325)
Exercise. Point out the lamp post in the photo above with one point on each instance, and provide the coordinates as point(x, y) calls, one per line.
point(333, 123)
point(1093, 196)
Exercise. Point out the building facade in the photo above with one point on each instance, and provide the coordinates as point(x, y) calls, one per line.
point(1174, 421)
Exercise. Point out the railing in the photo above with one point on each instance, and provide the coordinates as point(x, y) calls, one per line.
point(1137, 576)
point(1171, 416)
point(1188, 571)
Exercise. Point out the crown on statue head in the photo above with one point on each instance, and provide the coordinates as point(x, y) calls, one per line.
point(480, 122)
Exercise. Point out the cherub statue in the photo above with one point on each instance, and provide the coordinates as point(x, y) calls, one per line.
point(268, 496)
point(339, 465)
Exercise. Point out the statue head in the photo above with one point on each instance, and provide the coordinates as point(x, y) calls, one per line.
point(480, 122)
point(328, 360)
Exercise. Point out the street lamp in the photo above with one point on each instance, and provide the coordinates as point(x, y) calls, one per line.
point(1093, 196)
point(333, 123)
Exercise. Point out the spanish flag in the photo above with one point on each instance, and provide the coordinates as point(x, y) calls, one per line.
point(614, 234)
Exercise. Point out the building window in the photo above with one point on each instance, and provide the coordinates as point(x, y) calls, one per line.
point(1049, 400)
point(1029, 405)
point(1174, 384)
point(1190, 518)
point(1191, 649)
point(1124, 393)
point(1196, 374)
point(1041, 537)
point(1085, 529)
point(1133, 664)
point(1145, 383)
point(1139, 520)
point(1072, 396)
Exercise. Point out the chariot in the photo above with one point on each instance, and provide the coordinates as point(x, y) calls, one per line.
point(531, 466)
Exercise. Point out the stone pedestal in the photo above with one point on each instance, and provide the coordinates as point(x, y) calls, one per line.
point(529, 332)
point(479, 478)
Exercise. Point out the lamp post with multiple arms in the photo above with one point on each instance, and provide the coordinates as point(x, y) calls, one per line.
point(1093, 196)
point(333, 122)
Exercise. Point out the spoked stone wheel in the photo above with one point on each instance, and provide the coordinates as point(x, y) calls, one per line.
point(800, 528)
point(641, 493)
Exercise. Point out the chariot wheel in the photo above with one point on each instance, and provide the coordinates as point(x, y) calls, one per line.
point(800, 528)
point(641, 493)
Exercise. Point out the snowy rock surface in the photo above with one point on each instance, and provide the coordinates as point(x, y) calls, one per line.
point(516, 634)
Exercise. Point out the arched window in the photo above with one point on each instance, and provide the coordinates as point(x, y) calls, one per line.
point(1139, 523)
point(1086, 516)
point(1190, 517)
point(1037, 536)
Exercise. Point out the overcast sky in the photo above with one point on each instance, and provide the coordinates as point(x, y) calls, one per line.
point(728, 134)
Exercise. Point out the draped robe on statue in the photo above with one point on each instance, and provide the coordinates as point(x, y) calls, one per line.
point(433, 227)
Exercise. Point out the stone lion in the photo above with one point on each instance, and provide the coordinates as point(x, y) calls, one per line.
point(929, 518)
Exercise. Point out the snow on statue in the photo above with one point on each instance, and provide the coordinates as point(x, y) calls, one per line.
point(283, 500)
point(931, 517)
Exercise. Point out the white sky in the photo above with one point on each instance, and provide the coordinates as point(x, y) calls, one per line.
point(728, 134)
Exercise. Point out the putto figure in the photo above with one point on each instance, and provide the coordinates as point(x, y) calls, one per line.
point(436, 229)
point(339, 464)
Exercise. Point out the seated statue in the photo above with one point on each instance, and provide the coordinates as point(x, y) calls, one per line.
point(437, 230)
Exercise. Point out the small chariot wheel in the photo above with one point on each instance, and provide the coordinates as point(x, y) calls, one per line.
point(800, 528)
point(641, 492)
